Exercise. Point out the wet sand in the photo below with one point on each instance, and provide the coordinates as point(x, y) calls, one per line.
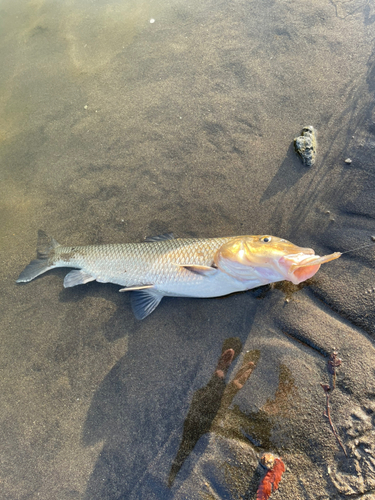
point(113, 128)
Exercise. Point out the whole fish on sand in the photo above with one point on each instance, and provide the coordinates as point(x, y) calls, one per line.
point(178, 267)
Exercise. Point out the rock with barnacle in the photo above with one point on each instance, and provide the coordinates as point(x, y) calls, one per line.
point(305, 145)
point(270, 482)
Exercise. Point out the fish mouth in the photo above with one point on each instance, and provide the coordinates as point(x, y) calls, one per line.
point(300, 267)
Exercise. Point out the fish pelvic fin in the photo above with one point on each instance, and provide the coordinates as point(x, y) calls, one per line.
point(136, 288)
point(144, 302)
point(41, 264)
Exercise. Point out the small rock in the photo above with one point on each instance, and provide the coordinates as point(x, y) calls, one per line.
point(267, 460)
point(85, 106)
point(305, 145)
point(348, 160)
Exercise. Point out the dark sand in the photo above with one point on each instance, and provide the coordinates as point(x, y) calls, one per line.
point(113, 128)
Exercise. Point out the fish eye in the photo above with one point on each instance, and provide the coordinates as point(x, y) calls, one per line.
point(266, 239)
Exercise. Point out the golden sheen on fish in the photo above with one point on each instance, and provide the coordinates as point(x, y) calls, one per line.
point(178, 267)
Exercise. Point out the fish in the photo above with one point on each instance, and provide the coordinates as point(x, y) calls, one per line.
point(178, 267)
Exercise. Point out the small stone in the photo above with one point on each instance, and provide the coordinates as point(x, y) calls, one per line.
point(85, 106)
point(348, 161)
point(267, 460)
point(305, 145)
point(152, 21)
point(372, 238)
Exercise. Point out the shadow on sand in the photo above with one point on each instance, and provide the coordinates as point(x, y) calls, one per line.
point(140, 407)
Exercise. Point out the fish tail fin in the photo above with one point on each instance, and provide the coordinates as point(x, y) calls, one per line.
point(41, 264)
point(45, 245)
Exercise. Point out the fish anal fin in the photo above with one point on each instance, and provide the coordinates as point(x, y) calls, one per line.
point(77, 277)
point(160, 237)
point(203, 270)
point(135, 288)
point(144, 302)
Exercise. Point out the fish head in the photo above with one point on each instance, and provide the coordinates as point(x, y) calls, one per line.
point(269, 258)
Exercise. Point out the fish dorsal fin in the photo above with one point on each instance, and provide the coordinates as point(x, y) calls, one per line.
point(160, 237)
point(77, 277)
point(203, 270)
point(144, 302)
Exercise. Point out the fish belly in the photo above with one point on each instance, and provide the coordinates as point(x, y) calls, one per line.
point(203, 286)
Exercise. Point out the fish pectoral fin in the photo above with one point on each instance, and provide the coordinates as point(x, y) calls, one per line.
point(144, 301)
point(135, 287)
point(203, 270)
point(77, 277)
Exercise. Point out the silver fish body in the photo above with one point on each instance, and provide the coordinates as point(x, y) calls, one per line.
point(165, 266)
point(160, 264)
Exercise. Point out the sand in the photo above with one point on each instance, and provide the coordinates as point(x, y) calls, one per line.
point(113, 128)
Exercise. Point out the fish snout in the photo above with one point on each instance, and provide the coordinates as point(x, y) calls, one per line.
point(295, 265)
point(303, 252)
point(303, 266)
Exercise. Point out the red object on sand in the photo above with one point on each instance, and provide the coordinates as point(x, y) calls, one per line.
point(271, 480)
